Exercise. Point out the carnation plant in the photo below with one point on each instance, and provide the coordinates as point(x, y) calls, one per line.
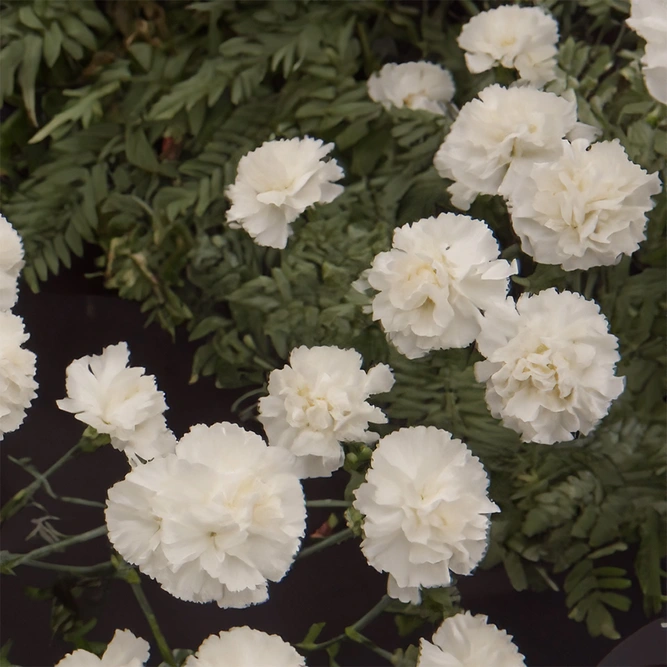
point(425, 243)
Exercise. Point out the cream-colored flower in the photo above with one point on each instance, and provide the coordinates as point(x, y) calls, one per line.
point(319, 401)
point(124, 650)
point(103, 392)
point(521, 38)
point(550, 363)
point(213, 522)
point(465, 640)
point(587, 208)
point(648, 18)
point(435, 281)
point(425, 508)
point(418, 85)
point(276, 183)
point(504, 128)
point(11, 263)
point(245, 647)
point(17, 373)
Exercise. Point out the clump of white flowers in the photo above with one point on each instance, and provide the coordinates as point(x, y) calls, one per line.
point(124, 650)
point(504, 127)
point(435, 281)
point(465, 640)
point(103, 392)
point(416, 85)
point(648, 18)
point(11, 263)
point(245, 647)
point(17, 373)
point(425, 508)
point(521, 38)
point(213, 522)
point(276, 183)
point(587, 208)
point(550, 363)
point(319, 401)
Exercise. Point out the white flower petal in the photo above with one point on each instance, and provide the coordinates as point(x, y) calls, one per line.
point(648, 18)
point(417, 85)
point(465, 640)
point(124, 650)
point(320, 401)
point(550, 365)
point(500, 127)
point(425, 509)
point(17, 373)
point(276, 183)
point(11, 263)
point(584, 209)
point(103, 392)
point(433, 285)
point(244, 647)
point(523, 38)
point(215, 520)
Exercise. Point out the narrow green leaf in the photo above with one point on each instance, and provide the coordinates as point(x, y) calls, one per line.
point(78, 30)
point(32, 56)
point(53, 41)
point(515, 571)
point(139, 152)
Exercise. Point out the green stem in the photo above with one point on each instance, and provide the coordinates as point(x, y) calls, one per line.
point(12, 560)
point(328, 503)
point(81, 570)
point(341, 536)
point(355, 627)
point(384, 602)
point(22, 497)
point(372, 646)
point(81, 501)
point(167, 655)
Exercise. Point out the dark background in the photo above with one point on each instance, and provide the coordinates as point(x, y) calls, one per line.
point(73, 317)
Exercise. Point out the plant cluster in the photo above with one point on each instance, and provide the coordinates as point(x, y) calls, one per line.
point(131, 127)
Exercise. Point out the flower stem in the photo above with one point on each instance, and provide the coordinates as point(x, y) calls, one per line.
point(81, 501)
point(81, 570)
point(353, 629)
point(384, 602)
point(328, 503)
point(12, 560)
point(22, 497)
point(162, 645)
point(340, 536)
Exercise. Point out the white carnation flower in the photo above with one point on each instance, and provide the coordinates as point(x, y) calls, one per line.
point(17, 373)
point(215, 520)
point(245, 647)
point(418, 85)
point(550, 365)
point(124, 650)
point(585, 209)
point(521, 38)
point(276, 183)
point(433, 283)
point(11, 263)
point(504, 128)
point(425, 504)
point(648, 18)
point(465, 640)
point(120, 401)
point(318, 401)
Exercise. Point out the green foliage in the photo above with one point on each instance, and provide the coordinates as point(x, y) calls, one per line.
point(437, 604)
point(66, 596)
point(128, 125)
